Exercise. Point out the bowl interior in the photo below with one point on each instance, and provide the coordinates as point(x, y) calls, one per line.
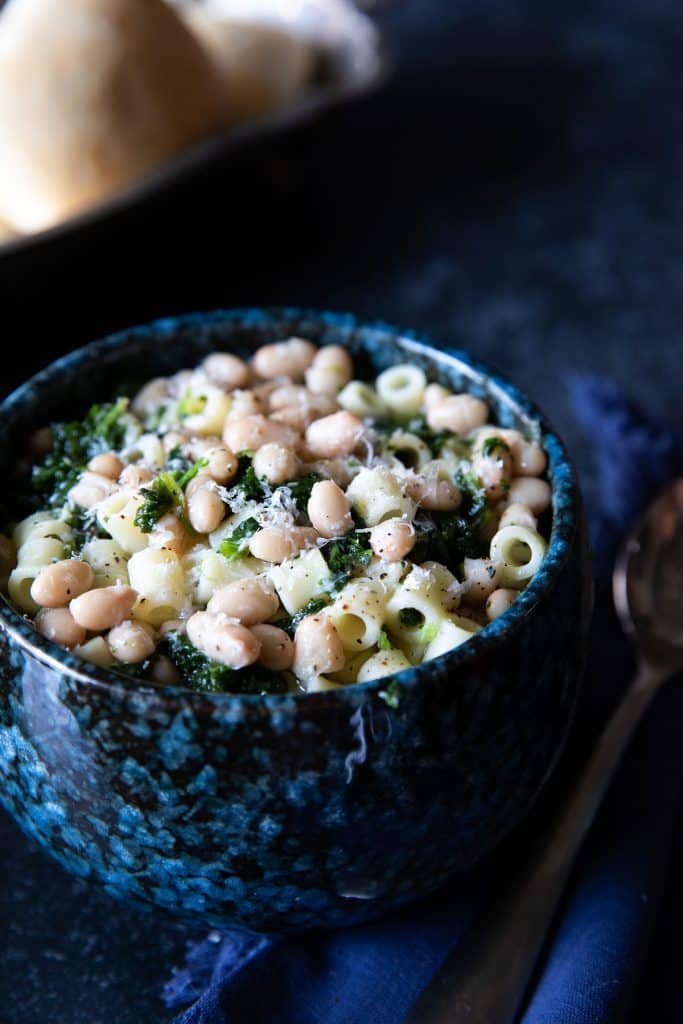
point(123, 362)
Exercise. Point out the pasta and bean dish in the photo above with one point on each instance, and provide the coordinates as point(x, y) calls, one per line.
point(276, 525)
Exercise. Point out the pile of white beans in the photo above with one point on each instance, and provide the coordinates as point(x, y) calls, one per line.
point(296, 410)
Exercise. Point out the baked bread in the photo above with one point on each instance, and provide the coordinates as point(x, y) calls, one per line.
point(262, 67)
point(94, 93)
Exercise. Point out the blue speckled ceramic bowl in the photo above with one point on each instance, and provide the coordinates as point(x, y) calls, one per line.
point(288, 812)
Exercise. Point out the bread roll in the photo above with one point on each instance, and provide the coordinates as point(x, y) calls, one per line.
point(93, 93)
point(262, 67)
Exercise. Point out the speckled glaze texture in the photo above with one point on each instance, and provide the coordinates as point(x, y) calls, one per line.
point(289, 812)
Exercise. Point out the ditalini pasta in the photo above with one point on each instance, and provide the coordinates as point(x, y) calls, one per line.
point(274, 525)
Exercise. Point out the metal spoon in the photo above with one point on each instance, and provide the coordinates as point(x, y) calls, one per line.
point(485, 981)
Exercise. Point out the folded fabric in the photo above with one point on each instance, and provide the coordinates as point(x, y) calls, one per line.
point(373, 974)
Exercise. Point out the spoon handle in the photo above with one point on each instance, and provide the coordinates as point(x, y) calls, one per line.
point(485, 981)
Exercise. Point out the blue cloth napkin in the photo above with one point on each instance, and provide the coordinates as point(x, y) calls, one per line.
point(372, 974)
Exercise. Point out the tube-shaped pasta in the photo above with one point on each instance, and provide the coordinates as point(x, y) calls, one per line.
point(377, 495)
point(203, 407)
point(453, 631)
point(360, 399)
point(157, 575)
point(298, 580)
point(384, 663)
point(40, 540)
point(211, 571)
point(409, 449)
point(358, 614)
point(401, 388)
point(415, 604)
point(117, 514)
point(520, 551)
point(108, 561)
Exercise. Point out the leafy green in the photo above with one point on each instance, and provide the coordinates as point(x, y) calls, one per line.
point(233, 547)
point(247, 486)
point(410, 617)
point(208, 676)
point(74, 445)
point(491, 444)
point(84, 526)
point(346, 555)
point(301, 489)
point(455, 535)
point(391, 694)
point(166, 493)
point(384, 643)
point(177, 462)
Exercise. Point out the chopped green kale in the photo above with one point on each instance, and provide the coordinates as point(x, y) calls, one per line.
point(411, 617)
point(233, 547)
point(452, 536)
point(208, 676)
point(247, 486)
point(163, 495)
point(73, 446)
point(345, 555)
point(85, 527)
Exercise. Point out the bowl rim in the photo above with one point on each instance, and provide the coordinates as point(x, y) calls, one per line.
point(566, 512)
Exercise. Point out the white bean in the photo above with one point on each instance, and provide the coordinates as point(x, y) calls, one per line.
point(250, 600)
point(133, 477)
point(205, 508)
point(493, 470)
point(226, 371)
point(164, 671)
point(245, 403)
point(529, 459)
point(275, 545)
point(530, 491)
point(284, 359)
point(330, 371)
point(276, 463)
point(56, 584)
point(252, 432)
point(393, 539)
point(108, 465)
point(329, 509)
point(277, 650)
point(335, 435)
point(433, 493)
point(317, 647)
point(223, 641)
point(459, 413)
point(434, 393)
point(499, 602)
point(91, 489)
point(222, 465)
point(59, 625)
point(104, 608)
point(131, 642)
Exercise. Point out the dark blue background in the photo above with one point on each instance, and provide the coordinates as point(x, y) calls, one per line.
point(516, 190)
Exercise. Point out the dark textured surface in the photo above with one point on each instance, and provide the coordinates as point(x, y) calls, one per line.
point(290, 812)
point(517, 191)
